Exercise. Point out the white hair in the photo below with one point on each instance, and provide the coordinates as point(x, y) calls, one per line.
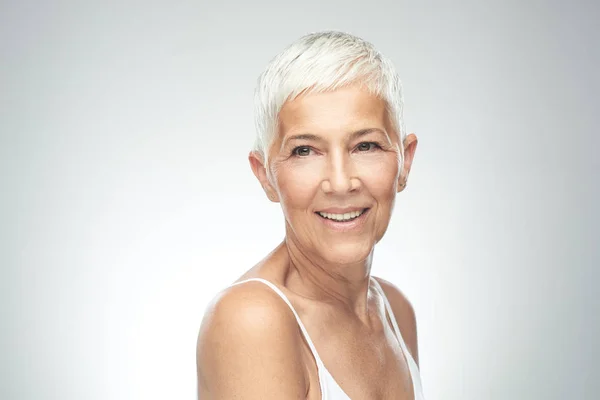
point(321, 62)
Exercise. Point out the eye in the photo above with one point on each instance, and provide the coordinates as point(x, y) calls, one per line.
point(367, 146)
point(301, 151)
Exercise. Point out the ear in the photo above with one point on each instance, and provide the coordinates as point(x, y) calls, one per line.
point(410, 146)
point(258, 168)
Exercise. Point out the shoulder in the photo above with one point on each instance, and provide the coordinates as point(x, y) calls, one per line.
point(249, 345)
point(404, 314)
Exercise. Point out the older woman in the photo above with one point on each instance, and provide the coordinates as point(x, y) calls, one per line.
point(309, 321)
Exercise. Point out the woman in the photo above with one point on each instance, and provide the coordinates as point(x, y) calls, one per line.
point(309, 321)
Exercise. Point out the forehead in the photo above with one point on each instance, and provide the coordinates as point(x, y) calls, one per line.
point(345, 109)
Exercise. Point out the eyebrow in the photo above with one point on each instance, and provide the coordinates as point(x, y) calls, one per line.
point(316, 138)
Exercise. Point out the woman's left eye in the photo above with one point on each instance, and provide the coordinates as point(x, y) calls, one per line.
point(366, 146)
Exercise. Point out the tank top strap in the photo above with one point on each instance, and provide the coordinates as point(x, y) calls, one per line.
point(390, 312)
point(412, 365)
point(312, 347)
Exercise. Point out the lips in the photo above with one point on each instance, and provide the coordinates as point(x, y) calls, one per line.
point(342, 217)
point(352, 222)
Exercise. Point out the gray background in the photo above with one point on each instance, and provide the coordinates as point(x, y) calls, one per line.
point(127, 201)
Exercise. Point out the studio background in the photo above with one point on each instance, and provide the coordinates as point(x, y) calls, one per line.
point(127, 201)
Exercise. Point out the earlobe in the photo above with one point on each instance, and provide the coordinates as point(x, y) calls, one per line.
point(410, 146)
point(257, 164)
point(401, 185)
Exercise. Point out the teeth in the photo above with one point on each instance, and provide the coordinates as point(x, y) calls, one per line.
point(342, 217)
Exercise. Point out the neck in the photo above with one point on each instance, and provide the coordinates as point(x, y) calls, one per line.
point(344, 285)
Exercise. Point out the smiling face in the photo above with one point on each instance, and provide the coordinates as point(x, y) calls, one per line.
point(334, 167)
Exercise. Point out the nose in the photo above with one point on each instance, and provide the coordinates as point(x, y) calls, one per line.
point(339, 176)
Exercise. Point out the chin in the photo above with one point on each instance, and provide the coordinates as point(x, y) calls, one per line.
point(346, 252)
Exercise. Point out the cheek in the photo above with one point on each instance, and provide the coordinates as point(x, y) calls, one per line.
point(298, 183)
point(380, 175)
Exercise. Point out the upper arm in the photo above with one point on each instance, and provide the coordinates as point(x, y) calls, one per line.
point(405, 316)
point(248, 347)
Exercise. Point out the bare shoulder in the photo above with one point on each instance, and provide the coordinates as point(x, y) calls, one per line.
point(405, 315)
point(249, 347)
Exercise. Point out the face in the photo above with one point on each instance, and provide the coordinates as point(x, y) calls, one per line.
point(334, 167)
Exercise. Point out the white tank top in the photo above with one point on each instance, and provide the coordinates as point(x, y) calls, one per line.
point(330, 390)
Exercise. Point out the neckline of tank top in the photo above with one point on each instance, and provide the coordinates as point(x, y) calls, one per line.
point(320, 365)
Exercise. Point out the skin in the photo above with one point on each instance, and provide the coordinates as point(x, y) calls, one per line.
point(250, 345)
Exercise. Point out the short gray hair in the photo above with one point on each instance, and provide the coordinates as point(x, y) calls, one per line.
point(321, 62)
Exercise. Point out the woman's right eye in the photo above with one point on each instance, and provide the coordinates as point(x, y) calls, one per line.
point(301, 151)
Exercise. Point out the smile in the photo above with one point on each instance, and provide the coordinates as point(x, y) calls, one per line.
point(349, 216)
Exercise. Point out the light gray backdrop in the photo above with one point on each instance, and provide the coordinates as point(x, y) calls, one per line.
point(127, 201)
